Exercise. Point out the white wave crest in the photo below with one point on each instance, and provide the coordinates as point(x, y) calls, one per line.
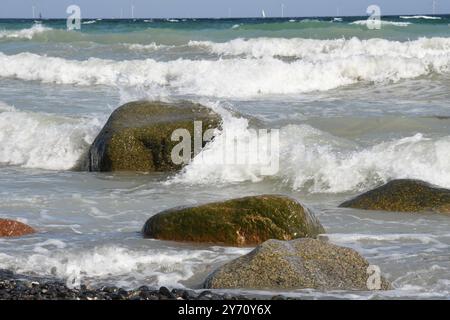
point(322, 50)
point(145, 47)
point(115, 264)
point(324, 65)
point(421, 17)
point(321, 163)
point(36, 140)
point(89, 22)
point(24, 33)
point(383, 22)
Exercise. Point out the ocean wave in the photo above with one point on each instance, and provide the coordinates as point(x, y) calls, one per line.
point(421, 17)
point(145, 47)
point(324, 65)
point(89, 22)
point(309, 159)
point(28, 33)
point(322, 50)
point(126, 267)
point(36, 140)
point(383, 22)
point(316, 161)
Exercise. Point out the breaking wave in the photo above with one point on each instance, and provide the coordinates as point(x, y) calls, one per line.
point(38, 140)
point(319, 162)
point(28, 33)
point(320, 65)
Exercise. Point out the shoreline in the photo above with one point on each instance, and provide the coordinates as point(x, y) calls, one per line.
point(22, 287)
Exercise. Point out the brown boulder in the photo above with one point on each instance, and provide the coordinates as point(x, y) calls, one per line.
point(11, 228)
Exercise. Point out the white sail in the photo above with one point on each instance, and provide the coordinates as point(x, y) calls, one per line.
point(263, 13)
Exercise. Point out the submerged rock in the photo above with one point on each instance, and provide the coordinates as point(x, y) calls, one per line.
point(240, 222)
point(295, 264)
point(403, 196)
point(10, 228)
point(137, 136)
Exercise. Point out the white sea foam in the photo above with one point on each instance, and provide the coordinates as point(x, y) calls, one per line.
point(383, 22)
point(323, 65)
point(322, 50)
point(89, 22)
point(319, 162)
point(28, 33)
point(345, 239)
point(145, 47)
point(421, 17)
point(36, 140)
point(124, 266)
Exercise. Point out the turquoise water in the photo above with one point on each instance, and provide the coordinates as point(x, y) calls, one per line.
point(355, 108)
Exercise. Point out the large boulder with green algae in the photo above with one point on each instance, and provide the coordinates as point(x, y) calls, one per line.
point(403, 196)
point(137, 136)
point(238, 222)
point(296, 264)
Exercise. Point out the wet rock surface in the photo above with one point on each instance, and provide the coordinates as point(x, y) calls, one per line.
point(11, 228)
point(137, 136)
point(239, 222)
point(403, 196)
point(296, 264)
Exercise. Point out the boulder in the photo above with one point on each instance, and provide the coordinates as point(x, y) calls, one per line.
point(237, 222)
point(296, 264)
point(403, 196)
point(11, 228)
point(137, 136)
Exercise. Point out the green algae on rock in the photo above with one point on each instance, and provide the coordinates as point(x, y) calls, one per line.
point(239, 222)
point(137, 136)
point(296, 264)
point(403, 196)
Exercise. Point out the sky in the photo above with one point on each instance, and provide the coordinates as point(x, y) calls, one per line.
point(215, 8)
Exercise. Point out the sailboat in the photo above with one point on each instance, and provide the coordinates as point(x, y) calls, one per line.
point(263, 13)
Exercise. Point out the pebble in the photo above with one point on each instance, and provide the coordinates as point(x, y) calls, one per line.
point(13, 287)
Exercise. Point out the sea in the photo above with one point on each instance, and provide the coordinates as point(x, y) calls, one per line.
point(354, 106)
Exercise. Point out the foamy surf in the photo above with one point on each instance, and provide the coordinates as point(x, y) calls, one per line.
point(322, 66)
point(319, 162)
point(322, 50)
point(383, 23)
point(421, 17)
point(38, 140)
point(28, 33)
point(130, 268)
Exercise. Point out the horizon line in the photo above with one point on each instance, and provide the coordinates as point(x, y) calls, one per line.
point(230, 18)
